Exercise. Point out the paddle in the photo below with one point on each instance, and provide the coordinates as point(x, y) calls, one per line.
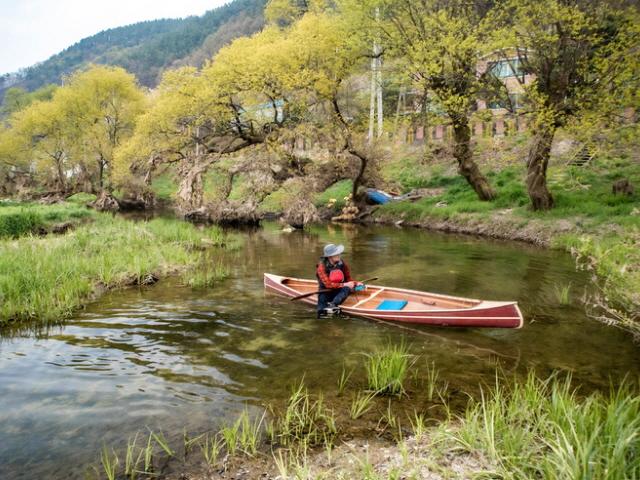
point(305, 295)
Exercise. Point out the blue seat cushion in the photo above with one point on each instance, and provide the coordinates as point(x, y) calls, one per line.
point(391, 305)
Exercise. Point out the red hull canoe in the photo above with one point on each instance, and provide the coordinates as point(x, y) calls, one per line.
point(420, 307)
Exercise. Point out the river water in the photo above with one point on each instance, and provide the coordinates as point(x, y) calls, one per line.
point(169, 357)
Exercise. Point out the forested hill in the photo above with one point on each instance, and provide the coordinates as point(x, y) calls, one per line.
point(147, 48)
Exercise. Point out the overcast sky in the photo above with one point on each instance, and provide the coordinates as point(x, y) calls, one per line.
point(33, 30)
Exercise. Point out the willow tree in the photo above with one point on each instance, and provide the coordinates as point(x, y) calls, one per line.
point(328, 54)
point(583, 56)
point(439, 45)
point(41, 133)
point(236, 101)
point(102, 104)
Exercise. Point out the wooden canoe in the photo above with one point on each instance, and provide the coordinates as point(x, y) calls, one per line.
point(421, 307)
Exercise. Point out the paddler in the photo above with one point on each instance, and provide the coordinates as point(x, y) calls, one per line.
point(333, 273)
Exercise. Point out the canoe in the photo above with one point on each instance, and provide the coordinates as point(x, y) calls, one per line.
point(409, 306)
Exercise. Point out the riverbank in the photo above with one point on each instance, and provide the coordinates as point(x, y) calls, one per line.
point(520, 428)
point(44, 279)
point(600, 229)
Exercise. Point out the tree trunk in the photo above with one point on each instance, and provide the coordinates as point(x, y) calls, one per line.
point(361, 169)
point(466, 166)
point(60, 172)
point(190, 191)
point(537, 162)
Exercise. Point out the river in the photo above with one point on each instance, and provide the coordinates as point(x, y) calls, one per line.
point(169, 357)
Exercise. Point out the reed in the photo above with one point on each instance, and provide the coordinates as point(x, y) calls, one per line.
point(211, 448)
point(109, 463)
point(387, 369)
point(562, 293)
point(305, 419)
point(544, 429)
point(343, 380)
point(163, 443)
point(361, 404)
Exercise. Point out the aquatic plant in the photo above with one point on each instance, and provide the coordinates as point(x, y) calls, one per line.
point(541, 428)
point(305, 419)
point(342, 381)
point(562, 293)
point(109, 462)
point(163, 443)
point(361, 404)
point(249, 432)
point(211, 448)
point(387, 369)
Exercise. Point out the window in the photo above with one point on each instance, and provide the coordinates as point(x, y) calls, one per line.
point(506, 68)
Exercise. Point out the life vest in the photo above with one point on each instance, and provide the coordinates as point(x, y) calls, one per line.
point(333, 271)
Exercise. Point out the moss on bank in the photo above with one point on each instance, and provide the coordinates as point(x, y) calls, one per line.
point(46, 278)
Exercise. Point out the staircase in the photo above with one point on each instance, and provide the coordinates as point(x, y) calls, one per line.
point(583, 156)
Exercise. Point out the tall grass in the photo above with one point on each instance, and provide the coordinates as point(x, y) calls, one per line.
point(47, 278)
point(544, 429)
point(305, 419)
point(23, 219)
point(387, 369)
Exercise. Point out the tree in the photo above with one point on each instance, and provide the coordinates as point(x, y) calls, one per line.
point(439, 44)
point(102, 104)
point(584, 58)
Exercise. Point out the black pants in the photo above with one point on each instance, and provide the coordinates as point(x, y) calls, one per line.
point(335, 296)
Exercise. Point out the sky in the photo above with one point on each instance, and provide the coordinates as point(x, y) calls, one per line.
point(33, 30)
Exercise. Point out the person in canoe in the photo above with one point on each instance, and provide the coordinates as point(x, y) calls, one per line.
point(333, 273)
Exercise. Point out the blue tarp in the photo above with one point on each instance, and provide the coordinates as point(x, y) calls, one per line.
point(391, 305)
point(378, 196)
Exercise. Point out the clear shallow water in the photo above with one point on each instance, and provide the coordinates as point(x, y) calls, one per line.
point(168, 357)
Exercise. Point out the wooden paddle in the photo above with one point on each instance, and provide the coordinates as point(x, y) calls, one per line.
point(305, 295)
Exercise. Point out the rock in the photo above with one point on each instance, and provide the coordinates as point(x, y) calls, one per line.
point(200, 215)
point(623, 187)
point(61, 227)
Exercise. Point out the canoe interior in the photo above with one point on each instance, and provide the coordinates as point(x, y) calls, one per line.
point(373, 296)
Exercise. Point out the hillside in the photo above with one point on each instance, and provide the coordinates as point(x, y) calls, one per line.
point(147, 48)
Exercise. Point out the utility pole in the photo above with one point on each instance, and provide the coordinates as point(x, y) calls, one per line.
point(376, 89)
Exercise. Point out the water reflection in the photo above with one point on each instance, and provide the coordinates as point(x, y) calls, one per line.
point(169, 356)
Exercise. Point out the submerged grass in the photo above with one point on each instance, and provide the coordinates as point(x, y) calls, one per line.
point(387, 369)
point(47, 278)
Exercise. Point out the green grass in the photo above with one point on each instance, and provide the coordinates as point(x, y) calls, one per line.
point(17, 220)
point(338, 191)
point(47, 278)
point(305, 420)
point(164, 187)
point(544, 429)
point(387, 369)
point(606, 226)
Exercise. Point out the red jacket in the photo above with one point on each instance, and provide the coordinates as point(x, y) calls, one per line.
point(323, 275)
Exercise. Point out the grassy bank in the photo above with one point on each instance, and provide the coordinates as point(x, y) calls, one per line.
point(600, 229)
point(518, 428)
point(17, 219)
point(46, 278)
